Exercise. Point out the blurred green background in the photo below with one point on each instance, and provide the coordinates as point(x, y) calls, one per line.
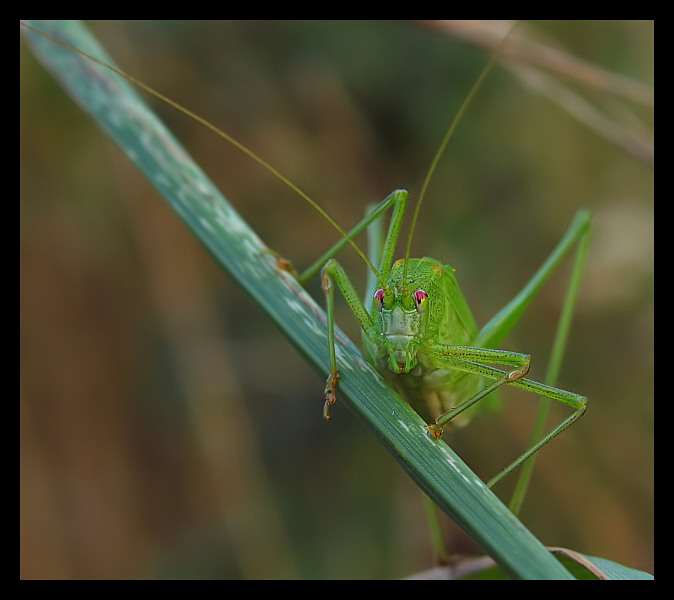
point(168, 430)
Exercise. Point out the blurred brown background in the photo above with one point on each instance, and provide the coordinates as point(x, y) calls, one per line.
point(168, 430)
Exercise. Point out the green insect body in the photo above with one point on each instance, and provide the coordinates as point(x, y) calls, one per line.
point(417, 318)
point(421, 335)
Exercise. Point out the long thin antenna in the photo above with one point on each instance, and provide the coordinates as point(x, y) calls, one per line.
point(215, 130)
point(441, 150)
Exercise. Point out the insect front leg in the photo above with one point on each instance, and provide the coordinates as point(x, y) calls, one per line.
point(332, 274)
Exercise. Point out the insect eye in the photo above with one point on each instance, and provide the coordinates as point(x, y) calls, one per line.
point(379, 295)
point(420, 298)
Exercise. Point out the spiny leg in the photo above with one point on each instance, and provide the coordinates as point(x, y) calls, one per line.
point(500, 325)
point(436, 429)
point(332, 273)
point(469, 359)
point(397, 199)
point(577, 233)
point(554, 364)
point(453, 358)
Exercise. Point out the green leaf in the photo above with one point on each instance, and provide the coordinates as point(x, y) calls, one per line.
point(591, 567)
point(580, 565)
point(118, 109)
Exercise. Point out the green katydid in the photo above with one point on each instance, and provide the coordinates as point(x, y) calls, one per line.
point(421, 334)
point(451, 357)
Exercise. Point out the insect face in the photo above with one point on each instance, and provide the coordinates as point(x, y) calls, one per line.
point(402, 321)
point(401, 311)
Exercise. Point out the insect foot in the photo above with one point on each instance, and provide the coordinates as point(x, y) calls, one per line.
point(518, 373)
point(330, 396)
point(283, 264)
point(435, 430)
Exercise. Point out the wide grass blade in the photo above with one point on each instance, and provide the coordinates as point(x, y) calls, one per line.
point(115, 105)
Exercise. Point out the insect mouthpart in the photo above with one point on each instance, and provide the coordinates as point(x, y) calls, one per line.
point(401, 328)
point(405, 358)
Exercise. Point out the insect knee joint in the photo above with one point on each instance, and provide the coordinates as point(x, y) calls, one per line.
point(517, 373)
